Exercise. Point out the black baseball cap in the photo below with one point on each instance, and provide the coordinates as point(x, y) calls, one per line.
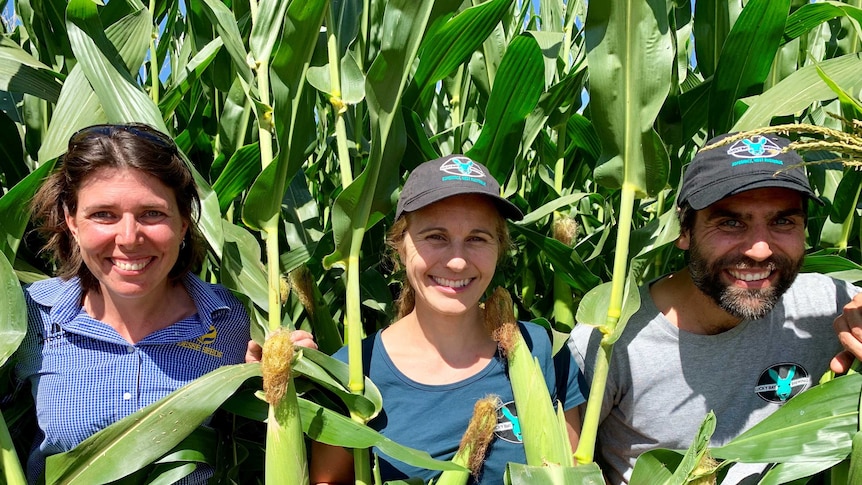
point(755, 162)
point(444, 177)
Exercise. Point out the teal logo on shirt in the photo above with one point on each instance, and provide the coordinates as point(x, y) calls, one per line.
point(508, 425)
point(780, 382)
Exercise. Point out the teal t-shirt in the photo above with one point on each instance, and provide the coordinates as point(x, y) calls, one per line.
point(433, 418)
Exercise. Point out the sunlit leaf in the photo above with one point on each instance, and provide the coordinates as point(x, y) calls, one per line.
point(144, 436)
point(816, 425)
point(746, 58)
point(630, 55)
point(798, 90)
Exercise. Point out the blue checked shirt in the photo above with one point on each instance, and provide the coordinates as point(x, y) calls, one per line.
point(85, 376)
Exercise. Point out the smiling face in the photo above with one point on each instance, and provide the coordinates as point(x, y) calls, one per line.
point(129, 230)
point(450, 252)
point(747, 249)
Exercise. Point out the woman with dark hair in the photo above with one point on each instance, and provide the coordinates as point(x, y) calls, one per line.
point(439, 357)
point(126, 321)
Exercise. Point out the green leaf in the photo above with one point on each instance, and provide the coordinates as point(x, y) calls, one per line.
point(238, 174)
point(566, 262)
point(11, 472)
point(226, 26)
point(331, 428)
point(630, 56)
point(844, 200)
point(832, 265)
point(712, 22)
point(557, 99)
point(593, 309)
point(656, 466)
point(82, 102)
point(22, 73)
point(183, 80)
point(816, 425)
point(844, 97)
point(746, 58)
point(788, 472)
point(516, 91)
point(549, 208)
point(142, 437)
point(266, 29)
point(586, 474)
point(799, 90)
point(812, 15)
point(241, 269)
point(11, 204)
point(13, 312)
point(12, 164)
point(452, 44)
point(333, 374)
point(292, 113)
point(120, 96)
point(695, 453)
point(405, 21)
point(856, 458)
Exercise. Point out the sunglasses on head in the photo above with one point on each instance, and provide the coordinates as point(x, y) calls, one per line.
point(138, 129)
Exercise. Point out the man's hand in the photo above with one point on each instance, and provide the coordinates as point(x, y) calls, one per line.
point(300, 338)
point(848, 326)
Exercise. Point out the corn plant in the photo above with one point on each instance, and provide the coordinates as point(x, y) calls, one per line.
point(301, 119)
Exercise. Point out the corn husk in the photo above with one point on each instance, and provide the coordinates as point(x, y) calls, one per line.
point(545, 438)
point(474, 443)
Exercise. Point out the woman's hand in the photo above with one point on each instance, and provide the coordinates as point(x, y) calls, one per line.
point(300, 338)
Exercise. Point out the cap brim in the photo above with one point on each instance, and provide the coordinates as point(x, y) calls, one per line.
point(506, 208)
point(710, 195)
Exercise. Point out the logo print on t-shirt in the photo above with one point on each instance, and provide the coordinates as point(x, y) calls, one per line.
point(780, 382)
point(203, 343)
point(508, 426)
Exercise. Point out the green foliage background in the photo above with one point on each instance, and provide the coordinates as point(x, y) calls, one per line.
point(301, 119)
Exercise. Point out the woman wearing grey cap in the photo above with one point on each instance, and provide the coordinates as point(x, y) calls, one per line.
point(438, 358)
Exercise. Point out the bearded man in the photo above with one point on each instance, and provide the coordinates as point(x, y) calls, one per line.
point(738, 331)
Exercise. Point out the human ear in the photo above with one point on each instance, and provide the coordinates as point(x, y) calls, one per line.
point(70, 223)
point(684, 240)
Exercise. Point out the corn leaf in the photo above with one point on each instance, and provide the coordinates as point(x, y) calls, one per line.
point(514, 95)
point(817, 425)
point(452, 44)
point(630, 54)
point(798, 90)
point(140, 438)
point(746, 57)
point(520, 474)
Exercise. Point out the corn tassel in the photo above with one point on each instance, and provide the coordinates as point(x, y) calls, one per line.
point(545, 439)
point(285, 446)
point(474, 444)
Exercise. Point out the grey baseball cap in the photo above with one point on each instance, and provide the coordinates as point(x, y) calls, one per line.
point(444, 177)
point(756, 162)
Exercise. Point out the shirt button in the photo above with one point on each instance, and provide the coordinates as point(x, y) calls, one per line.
point(130, 349)
point(127, 396)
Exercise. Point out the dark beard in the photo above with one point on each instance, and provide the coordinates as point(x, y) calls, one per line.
point(749, 304)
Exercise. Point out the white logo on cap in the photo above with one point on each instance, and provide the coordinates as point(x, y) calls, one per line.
point(463, 167)
point(754, 147)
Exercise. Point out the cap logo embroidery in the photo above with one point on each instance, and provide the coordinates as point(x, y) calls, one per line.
point(462, 169)
point(756, 149)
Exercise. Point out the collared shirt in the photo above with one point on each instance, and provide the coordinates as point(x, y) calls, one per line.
point(85, 376)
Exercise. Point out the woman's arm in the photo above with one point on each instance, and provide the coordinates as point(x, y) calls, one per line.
point(331, 465)
point(573, 425)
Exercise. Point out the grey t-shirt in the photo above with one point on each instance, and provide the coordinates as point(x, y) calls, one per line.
point(662, 381)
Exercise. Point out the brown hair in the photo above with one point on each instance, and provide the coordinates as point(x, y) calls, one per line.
point(395, 241)
point(126, 146)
